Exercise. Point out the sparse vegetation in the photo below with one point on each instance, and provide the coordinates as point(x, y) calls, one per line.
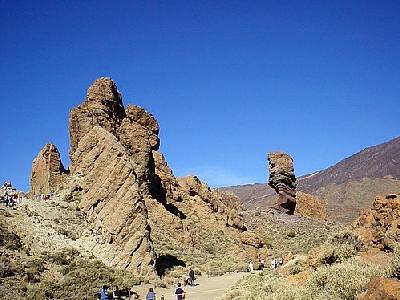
point(333, 271)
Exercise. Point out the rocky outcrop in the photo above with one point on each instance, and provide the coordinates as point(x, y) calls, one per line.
point(48, 173)
point(380, 225)
point(380, 288)
point(310, 206)
point(226, 205)
point(102, 107)
point(282, 180)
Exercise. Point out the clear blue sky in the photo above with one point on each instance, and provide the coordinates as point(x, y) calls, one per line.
point(228, 81)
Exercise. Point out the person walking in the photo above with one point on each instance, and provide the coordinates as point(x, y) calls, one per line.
point(179, 292)
point(251, 267)
point(151, 295)
point(191, 277)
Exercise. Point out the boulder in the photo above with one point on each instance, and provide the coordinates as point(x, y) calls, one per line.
point(380, 225)
point(48, 174)
point(282, 180)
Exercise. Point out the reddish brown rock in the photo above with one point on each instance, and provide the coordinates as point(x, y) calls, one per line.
point(310, 206)
point(380, 288)
point(48, 173)
point(282, 180)
point(380, 225)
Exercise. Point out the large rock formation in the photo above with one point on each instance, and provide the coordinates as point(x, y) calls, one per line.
point(380, 225)
point(282, 180)
point(48, 173)
point(133, 205)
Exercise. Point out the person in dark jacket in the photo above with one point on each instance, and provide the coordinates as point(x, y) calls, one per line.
point(179, 292)
point(191, 277)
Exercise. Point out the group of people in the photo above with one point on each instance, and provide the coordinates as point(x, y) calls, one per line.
point(7, 184)
point(179, 293)
point(115, 293)
point(9, 200)
point(106, 294)
point(274, 264)
point(261, 266)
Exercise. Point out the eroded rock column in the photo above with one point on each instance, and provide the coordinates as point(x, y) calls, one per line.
point(282, 180)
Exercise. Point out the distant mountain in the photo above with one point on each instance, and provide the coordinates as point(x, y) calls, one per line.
point(347, 187)
point(381, 161)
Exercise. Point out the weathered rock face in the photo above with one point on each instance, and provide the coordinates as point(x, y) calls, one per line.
point(102, 107)
point(225, 204)
point(48, 173)
point(282, 180)
point(112, 201)
point(310, 206)
point(380, 225)
point(138, 133)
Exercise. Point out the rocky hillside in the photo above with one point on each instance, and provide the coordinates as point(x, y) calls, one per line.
point(345, 188)
point(362, 263)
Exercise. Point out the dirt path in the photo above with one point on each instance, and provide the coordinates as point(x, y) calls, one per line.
point(207, 288)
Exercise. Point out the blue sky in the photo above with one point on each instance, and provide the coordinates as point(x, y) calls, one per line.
point(228, 81)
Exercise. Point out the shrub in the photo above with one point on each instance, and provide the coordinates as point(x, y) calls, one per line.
point(339, 247)
point(63, 257)
point(296, 267)
point(341, 281)
point(394, 268)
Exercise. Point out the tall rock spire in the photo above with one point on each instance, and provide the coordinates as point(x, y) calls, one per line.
point(282, 180)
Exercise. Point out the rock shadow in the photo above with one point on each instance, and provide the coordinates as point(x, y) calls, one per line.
point(158, 192)
point(167, 262)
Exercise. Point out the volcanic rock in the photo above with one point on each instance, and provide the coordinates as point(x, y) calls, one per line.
point(282, 180)
point(310, 206)
point(48, 173)
point(227, 205)
point(112, 201)
point(138, 133)
point(102, 107)
point(380, 225)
